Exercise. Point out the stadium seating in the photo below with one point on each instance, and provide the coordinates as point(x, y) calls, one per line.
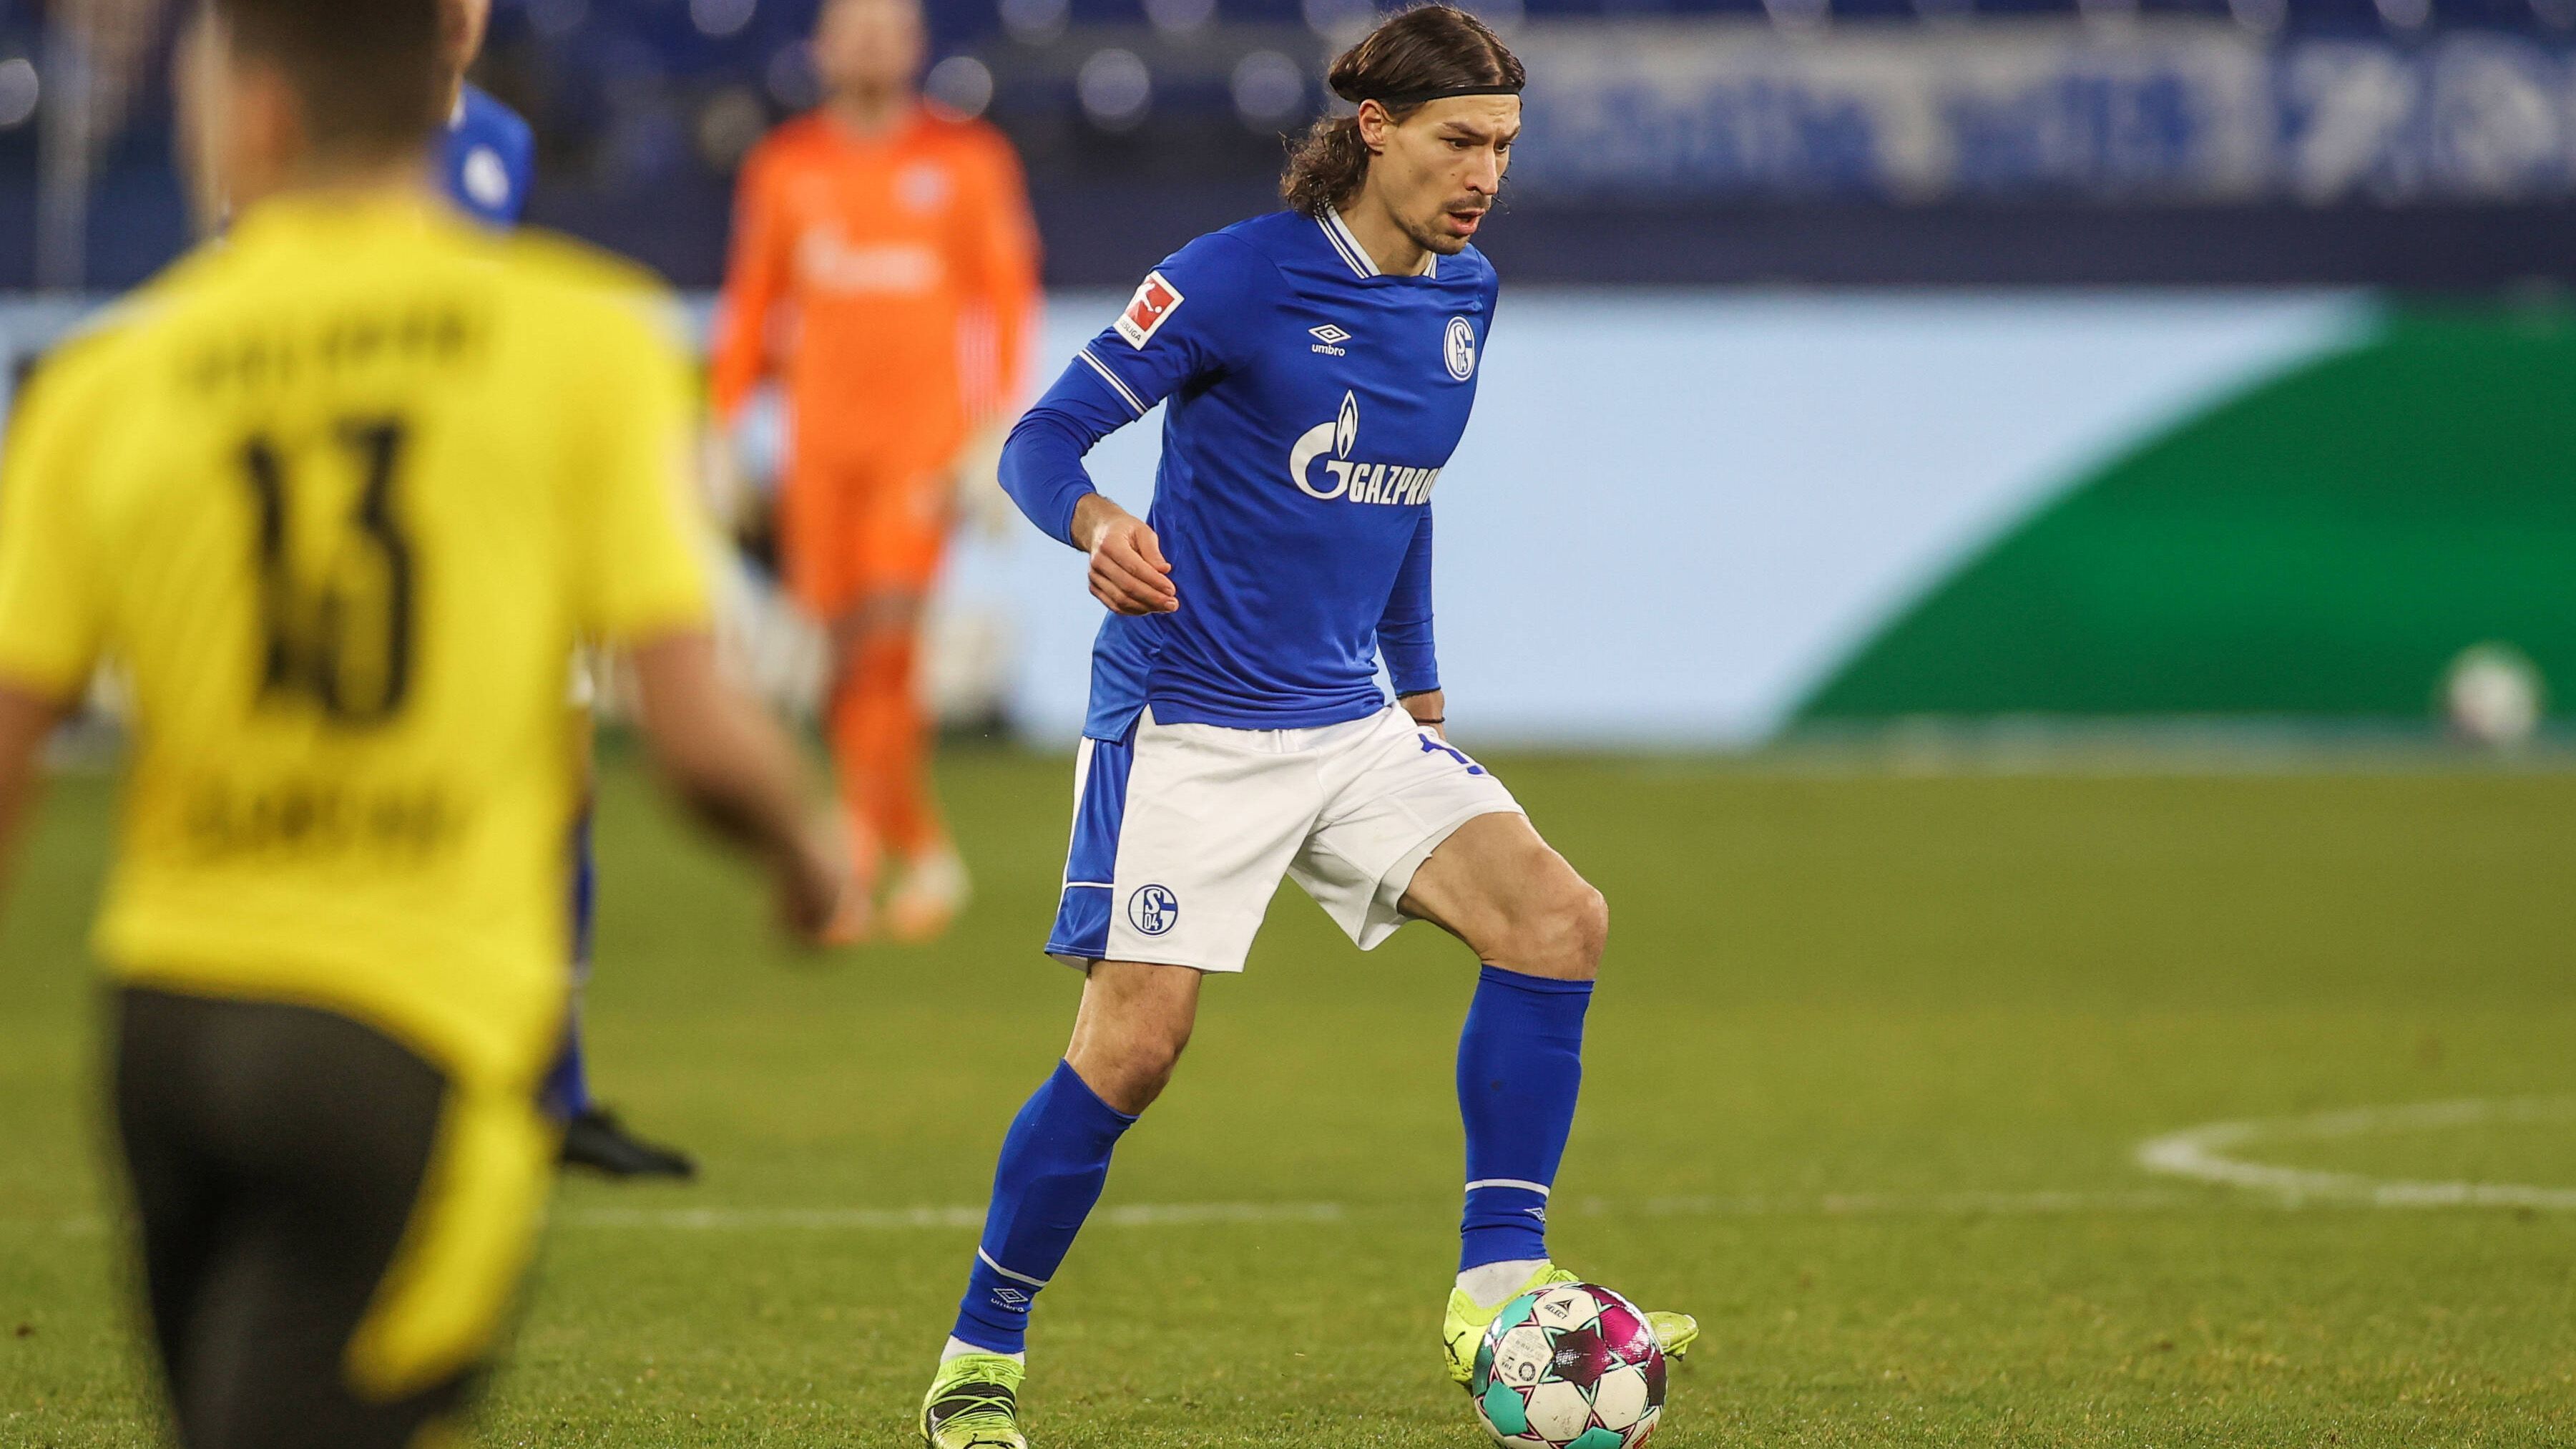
point(645, 107)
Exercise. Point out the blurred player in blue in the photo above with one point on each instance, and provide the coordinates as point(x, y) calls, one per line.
point(1317, 366)
point(490, 159)
point(487, 166)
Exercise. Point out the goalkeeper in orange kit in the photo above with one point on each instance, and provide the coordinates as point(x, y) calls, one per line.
point(885, 270)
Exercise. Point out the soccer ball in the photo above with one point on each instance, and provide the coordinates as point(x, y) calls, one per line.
point(1569, 1367)
point(2493, 696)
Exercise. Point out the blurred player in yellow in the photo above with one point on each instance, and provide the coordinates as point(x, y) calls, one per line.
point(339, 495)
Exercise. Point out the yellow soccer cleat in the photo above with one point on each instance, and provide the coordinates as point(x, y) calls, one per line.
point(1468, 1320)
point(1674, 1333)
point(974, 1403)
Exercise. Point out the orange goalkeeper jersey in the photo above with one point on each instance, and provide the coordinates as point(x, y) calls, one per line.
point(890, 281)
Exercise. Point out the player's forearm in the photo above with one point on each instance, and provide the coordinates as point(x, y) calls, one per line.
point(1404, 632)
point(1405, 635)
point(740, 359)
point(1015, 320)
point(754, 284)
point(1089, 515)
point(738, 364)
point(725, 759)
point(27, 720)
point(1412, 664)
point(1042, 471)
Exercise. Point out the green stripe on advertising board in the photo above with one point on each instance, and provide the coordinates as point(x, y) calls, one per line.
point(2324, 543)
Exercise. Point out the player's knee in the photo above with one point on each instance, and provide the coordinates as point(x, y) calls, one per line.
point(1159, 1050)
point(1141, 1078)
point(876, 621)
point(1141, 1064)
point(895, 611)
point(1562, 932)
point(1583, 930)
point(1596, 922)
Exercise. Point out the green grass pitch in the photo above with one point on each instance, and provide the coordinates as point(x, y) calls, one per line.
point(1867, 1080)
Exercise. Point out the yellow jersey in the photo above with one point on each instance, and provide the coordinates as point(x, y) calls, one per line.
point(340, 495)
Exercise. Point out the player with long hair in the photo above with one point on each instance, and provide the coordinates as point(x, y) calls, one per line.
point(1318, 365)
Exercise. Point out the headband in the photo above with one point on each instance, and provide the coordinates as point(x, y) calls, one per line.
point(1398, 99)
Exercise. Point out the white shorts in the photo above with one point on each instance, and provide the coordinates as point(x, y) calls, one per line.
point(1181, 832)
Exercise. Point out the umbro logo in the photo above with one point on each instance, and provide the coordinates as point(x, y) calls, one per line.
point(1329, 340)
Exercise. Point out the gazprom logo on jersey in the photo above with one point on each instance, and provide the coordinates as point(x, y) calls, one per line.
point(1355, 481)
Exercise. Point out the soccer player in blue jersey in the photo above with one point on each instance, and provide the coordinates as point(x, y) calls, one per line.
point(1318, 365)
point(489, 160)
point(487, 165)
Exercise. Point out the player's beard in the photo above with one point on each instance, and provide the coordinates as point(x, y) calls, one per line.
point(1433, 237)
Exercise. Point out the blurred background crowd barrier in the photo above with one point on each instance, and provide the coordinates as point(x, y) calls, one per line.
point(1860, 360)
point(2405, 142)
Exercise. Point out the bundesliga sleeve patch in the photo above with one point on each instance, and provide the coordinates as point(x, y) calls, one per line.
point(1155, 303)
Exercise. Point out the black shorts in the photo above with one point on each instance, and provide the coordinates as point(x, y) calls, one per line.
point(289, 1167)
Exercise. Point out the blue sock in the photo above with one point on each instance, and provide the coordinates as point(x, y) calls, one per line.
point(1520, 1066)
point(1054, 1163)
point(567, 1089)
point(567, 1092)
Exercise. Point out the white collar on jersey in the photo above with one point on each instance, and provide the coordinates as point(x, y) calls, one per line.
point(1338, 232)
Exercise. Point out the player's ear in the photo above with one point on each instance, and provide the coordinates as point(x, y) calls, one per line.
point(270, 138)
point(456, 35)
point(1373, 122)
point(198, 90)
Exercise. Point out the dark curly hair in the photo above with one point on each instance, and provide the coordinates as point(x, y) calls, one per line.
point(1427, 48)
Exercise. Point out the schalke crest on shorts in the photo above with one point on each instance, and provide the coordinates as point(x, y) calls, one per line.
point(1153, 910)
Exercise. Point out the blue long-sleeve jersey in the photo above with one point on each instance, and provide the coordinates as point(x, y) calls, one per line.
point(1313, 401)
point(489, 160)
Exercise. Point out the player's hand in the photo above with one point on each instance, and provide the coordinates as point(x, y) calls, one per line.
point(976, 499)
point(1128, 570)
point(1430, 711)
point(818, 892)
point(727, 493)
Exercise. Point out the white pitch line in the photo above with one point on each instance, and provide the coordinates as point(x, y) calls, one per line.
point(1148, 1215)
point(1142, 1215)
point(964, 1218)
point(895, 1220)
point(718, 1220)
point(2205, 1153)
point(1884, 1204)
point(2196, 1153)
